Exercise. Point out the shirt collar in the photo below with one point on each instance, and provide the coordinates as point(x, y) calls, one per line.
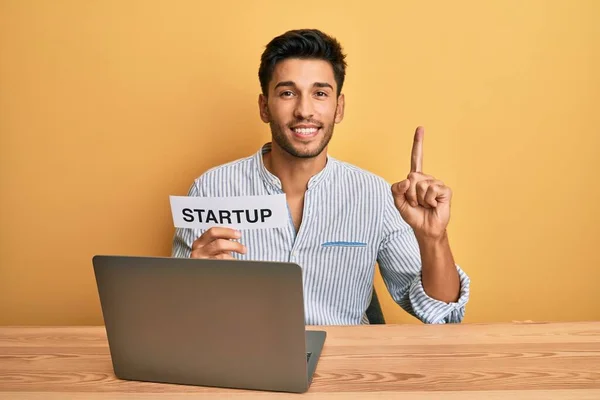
point(274, 181)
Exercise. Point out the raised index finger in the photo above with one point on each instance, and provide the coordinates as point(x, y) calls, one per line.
point(416, 160)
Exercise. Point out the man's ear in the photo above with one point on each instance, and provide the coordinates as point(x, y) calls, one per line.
point(263, 108)
point(339, 111)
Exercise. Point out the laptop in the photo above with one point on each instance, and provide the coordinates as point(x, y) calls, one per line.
point(221, 323)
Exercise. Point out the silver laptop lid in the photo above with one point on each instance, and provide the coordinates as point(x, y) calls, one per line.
point(223, 323)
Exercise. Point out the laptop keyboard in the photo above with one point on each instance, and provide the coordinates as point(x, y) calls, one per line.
point(308, 356)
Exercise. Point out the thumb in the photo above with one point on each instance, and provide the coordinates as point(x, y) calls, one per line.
point(399, 190)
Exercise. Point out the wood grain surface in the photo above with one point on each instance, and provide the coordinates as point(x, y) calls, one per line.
point(463, 361)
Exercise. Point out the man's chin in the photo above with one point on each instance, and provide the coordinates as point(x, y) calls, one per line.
point(307, 156)
point(302, 152)
point(309, 153)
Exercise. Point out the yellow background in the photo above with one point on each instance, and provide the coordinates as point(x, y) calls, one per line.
point(108, 107)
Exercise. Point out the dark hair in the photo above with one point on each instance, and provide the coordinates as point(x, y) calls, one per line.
point(303, 44)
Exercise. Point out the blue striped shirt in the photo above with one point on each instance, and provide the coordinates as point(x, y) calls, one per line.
point(349, 223)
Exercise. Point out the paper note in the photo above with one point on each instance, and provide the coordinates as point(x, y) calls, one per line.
point(243, 212)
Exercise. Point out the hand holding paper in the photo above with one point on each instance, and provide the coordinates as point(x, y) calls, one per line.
point(217, 243)
point(223, 217)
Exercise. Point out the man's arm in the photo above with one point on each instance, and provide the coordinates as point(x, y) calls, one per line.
point(405, 273)
point(423, 202)
point(439, 274)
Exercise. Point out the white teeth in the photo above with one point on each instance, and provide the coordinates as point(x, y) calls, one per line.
point(305, 131)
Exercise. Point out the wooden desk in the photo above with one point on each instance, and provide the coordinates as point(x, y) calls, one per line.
point(468, 361)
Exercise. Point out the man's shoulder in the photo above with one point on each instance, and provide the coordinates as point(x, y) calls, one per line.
point(236, 171)
point(231, 168)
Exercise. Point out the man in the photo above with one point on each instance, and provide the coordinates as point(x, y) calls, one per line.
point(342, 219)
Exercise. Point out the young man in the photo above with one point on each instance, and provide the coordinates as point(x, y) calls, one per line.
point(343, 219)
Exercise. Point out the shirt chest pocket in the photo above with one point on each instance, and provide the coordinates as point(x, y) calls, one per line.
point(345, 256)
point(343, 244)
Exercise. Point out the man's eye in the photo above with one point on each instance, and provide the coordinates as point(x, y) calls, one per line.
point(287, 93)
point(321, 94)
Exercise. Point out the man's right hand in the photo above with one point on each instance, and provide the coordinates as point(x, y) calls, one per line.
point(217, 243)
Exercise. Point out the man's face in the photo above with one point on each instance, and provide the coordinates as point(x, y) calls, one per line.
point(302, 106)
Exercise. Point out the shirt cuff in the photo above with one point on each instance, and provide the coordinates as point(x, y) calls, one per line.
point(432, 311)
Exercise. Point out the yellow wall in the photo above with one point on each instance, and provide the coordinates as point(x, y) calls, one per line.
point(108, 107)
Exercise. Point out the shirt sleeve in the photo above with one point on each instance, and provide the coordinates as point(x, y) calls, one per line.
point(400, 265)
point(184, 237)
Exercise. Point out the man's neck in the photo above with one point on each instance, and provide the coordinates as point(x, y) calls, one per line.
point(293, 172)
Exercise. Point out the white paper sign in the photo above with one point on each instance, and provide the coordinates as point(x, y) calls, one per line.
point(243, 212)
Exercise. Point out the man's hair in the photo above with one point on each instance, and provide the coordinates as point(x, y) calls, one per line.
point(302, 44)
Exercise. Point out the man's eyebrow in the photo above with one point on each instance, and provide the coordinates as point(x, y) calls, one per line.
point(323, 85)
point(285, 83)
point(316, 84)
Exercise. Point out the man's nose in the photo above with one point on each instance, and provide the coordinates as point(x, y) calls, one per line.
point(304, 108)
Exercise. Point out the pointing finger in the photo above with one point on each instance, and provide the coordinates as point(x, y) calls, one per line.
point(416, 160)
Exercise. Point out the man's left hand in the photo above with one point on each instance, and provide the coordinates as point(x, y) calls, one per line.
point(423, 201)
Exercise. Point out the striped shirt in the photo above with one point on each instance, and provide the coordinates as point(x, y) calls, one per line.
point(349, 223)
